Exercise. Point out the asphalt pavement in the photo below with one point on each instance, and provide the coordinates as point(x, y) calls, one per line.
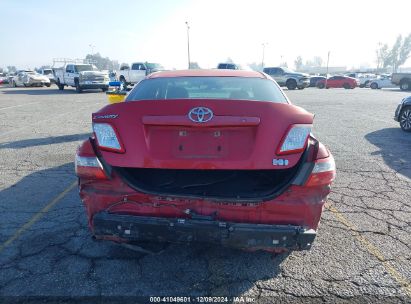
point(362, 251)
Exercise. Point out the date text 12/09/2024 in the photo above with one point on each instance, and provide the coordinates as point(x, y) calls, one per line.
point(237, 299)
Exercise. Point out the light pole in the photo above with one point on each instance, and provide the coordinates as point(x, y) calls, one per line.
point(262, 60)
point(326, 75)
point(378, 56)
point(188, 45)
point(92, 48)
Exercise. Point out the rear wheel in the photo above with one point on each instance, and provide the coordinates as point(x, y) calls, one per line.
point(59, 85)
point(346, 86)
point(291, 84)
point(405, 119)
point(78, 88)
point(374, 86)
point(104, 89)
point(320, 85)
point(405, 85)
point(123, 82)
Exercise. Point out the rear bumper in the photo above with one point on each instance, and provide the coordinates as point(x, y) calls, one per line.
point(126, 228)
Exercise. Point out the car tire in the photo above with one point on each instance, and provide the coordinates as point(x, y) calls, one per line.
point(291, 84)
point(374, 85)
point(301, 88)
point(59, 85)
point(405, 85)
point(320, 85)
point(78, 88)
point(405, 119)
point(123, 81)
point(48, 85)
point(13, 84)
point(104, 89)
point(347, 86)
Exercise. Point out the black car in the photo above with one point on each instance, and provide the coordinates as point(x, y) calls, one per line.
point(228, 66)
point(403, 114)
point(315, 79)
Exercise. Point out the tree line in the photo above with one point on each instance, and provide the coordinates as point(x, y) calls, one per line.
point(395, 56)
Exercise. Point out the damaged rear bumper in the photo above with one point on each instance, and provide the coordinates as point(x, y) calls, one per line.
point(127, 228)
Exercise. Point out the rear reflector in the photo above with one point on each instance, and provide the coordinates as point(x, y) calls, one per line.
point(89, 167)
point(107, 138)
point(323, 173)
point(324, 166)
point(295, 140)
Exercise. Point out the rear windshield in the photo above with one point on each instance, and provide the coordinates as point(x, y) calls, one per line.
point(207, 88)
point(85, 67)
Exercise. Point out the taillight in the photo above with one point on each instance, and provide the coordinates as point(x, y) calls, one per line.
point(107, 138)
point(296, 139)
point(323, 172)
point(89, 167)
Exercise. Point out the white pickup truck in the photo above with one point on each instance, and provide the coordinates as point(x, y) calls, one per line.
point(138, 71)
point(80, 76)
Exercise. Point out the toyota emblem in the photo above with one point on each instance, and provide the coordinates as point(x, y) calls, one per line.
point(200, 114)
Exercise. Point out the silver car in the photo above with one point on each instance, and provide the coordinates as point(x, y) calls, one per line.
point(29, 79)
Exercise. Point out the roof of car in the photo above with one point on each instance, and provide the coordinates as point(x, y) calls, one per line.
point(207, 73)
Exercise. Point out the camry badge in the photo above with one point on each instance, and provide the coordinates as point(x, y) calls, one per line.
point(111, 116)
point(200, 114)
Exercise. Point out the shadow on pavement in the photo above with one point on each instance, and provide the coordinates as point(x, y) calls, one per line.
point(56, 256)
point(25, 143)
point(40, 91)
point(393, 90)
point(395, 147)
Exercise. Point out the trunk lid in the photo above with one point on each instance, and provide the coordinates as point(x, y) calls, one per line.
point(241, 134)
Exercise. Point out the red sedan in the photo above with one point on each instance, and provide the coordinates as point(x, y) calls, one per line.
point(338, 82)
point(218, 156)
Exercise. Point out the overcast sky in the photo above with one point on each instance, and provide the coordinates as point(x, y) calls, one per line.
point(32, 33)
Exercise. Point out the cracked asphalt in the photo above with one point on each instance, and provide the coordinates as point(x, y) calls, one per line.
point(362, 251)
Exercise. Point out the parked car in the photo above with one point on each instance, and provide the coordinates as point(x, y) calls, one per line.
point(138, 71)
point(363, 78)
point(180, 161)
point(228, 66)
point(403, 114)
point(403, 80)
point(81, 76)
point(4, 79)
point(288, 78)
point(49, 74)
point(338, 82)
point(315, 79)
point(29, 79)
point(383, 81)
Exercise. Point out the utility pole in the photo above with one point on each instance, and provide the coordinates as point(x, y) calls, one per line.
point(262, 60)
point(326, 75)
point(378, 56)
point(188, 44)
point(92, 48)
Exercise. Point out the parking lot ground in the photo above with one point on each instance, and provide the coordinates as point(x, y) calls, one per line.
point(362, 251)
